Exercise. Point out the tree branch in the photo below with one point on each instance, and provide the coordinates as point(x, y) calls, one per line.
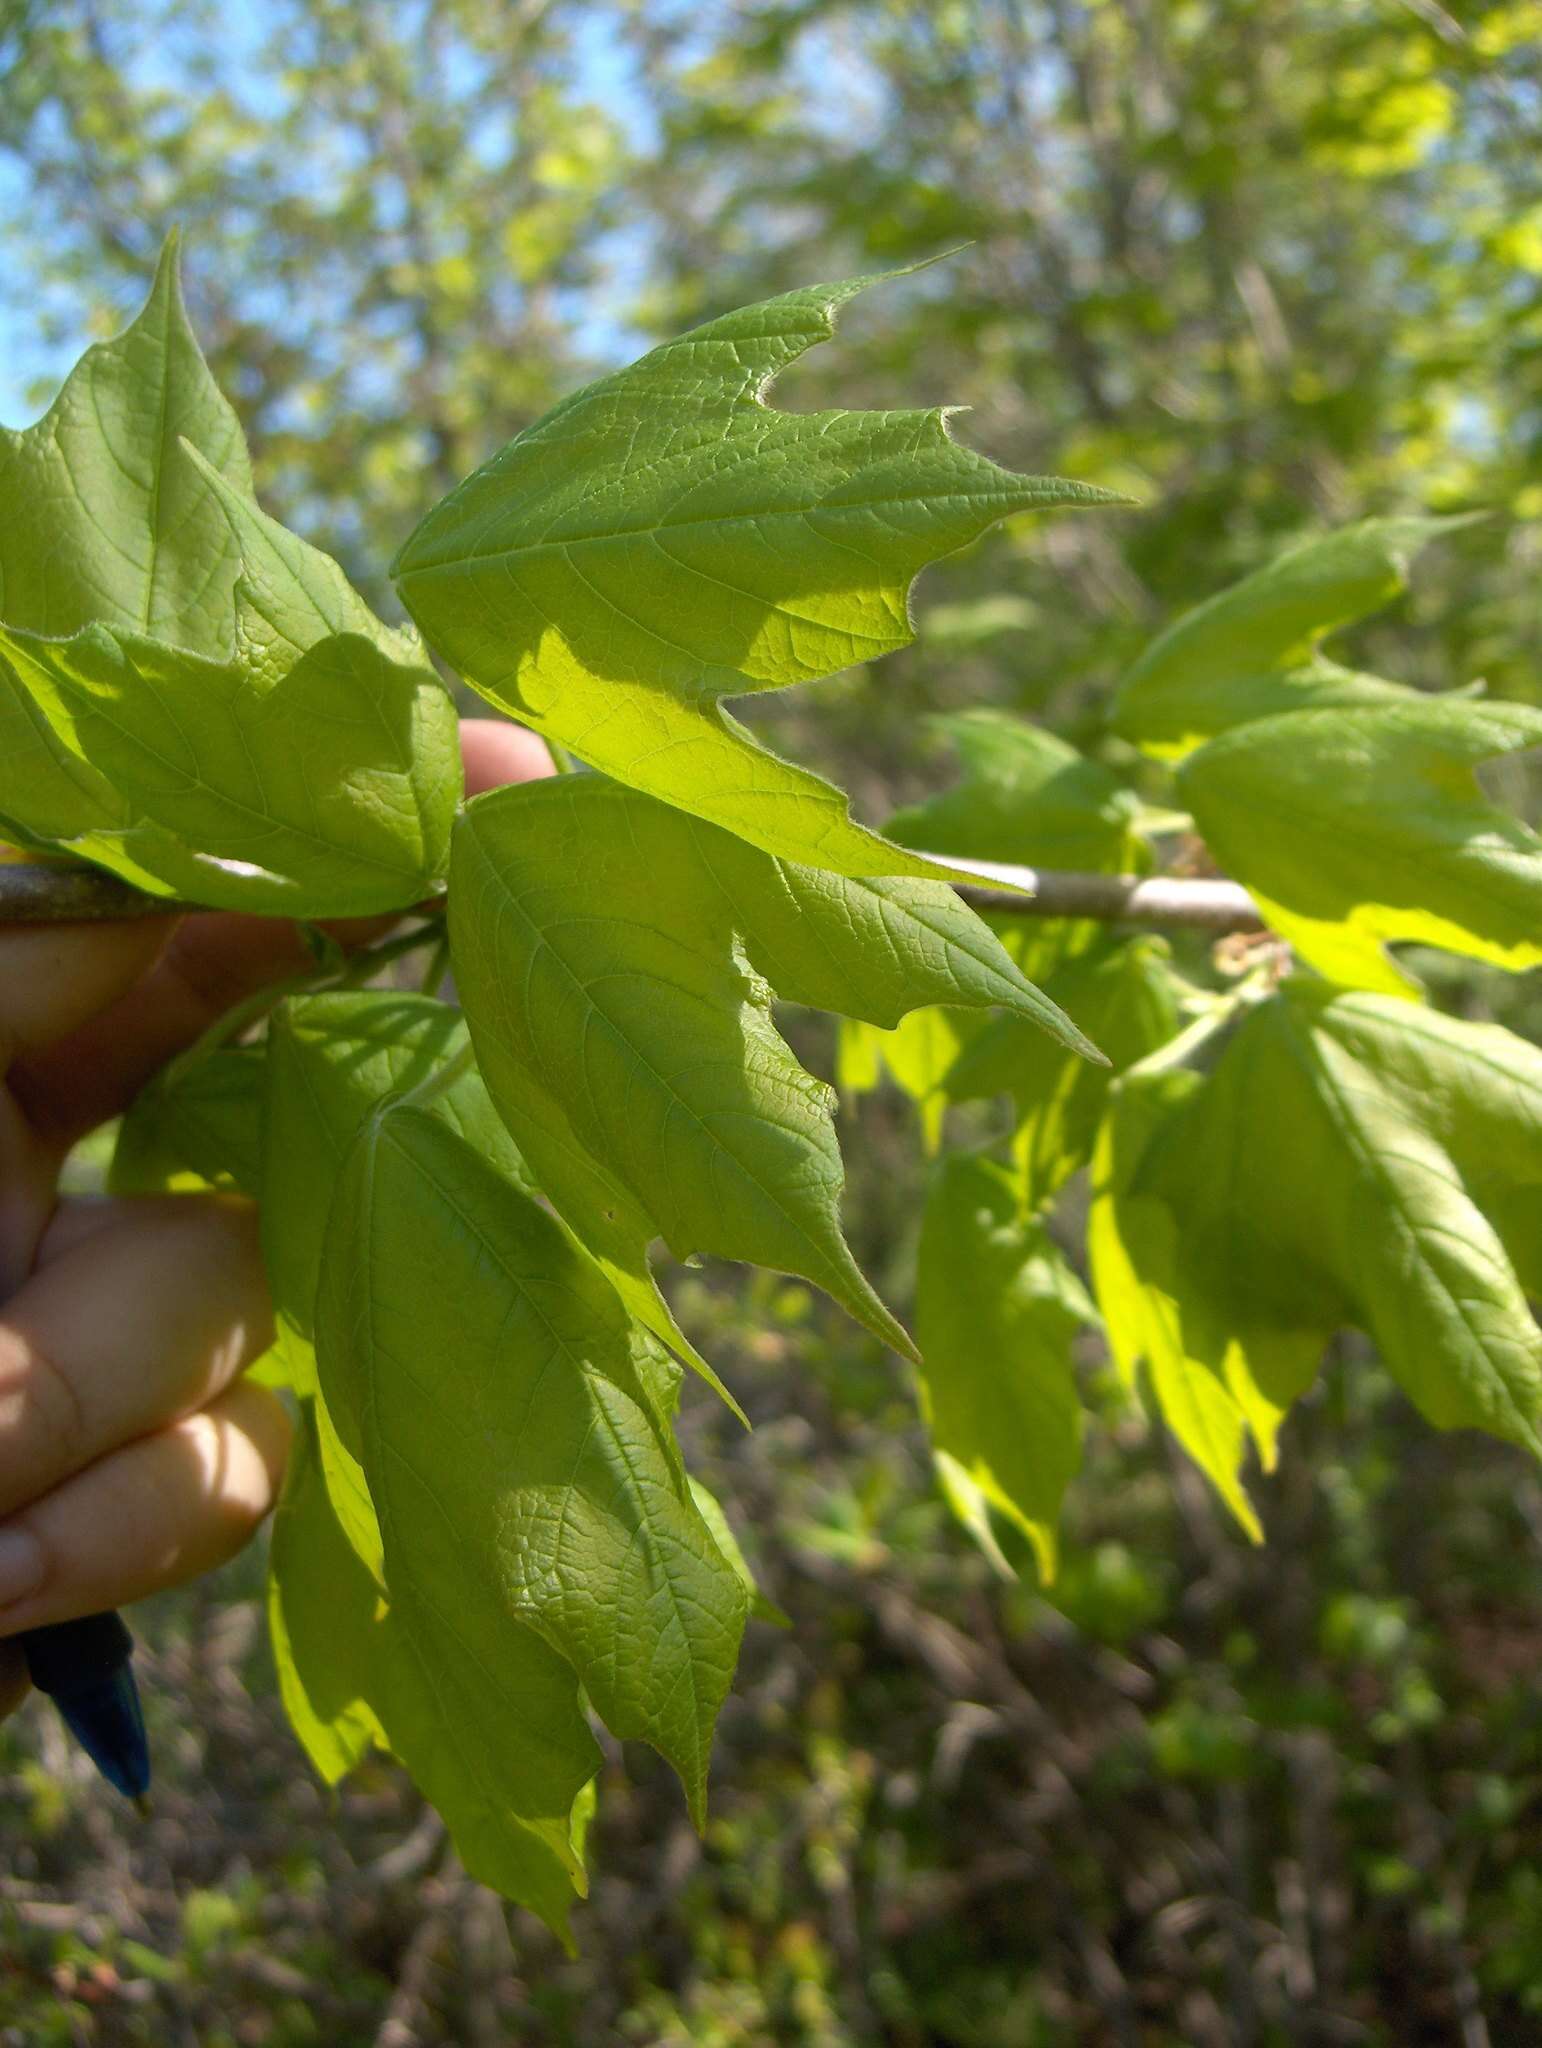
point(1169, 901)
point(50, 893)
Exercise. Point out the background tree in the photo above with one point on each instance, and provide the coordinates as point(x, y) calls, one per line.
point(399, 218)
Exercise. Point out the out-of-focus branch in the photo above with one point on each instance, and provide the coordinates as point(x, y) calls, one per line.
point(1171, 902)
point(51, 893)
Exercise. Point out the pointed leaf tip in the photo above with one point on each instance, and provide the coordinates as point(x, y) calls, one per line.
point(664, 540)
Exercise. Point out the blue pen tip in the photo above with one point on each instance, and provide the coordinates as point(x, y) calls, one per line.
point(107, 1721)
point(85, 1667)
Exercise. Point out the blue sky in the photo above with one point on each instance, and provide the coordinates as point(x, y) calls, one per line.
point(43, 330)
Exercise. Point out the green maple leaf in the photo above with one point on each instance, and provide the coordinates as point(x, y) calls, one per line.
point(106, 522)
point(332, 1059)
point(524, 1476)
point(1251, 651)
point(189, 695)
point(996, 1310)
point(617, 959)
point(327, 794)
point(483, 1714)
point(1125, 996)
point(663, 539)
point(1364, 824)
point(1026, 798)
point(918, 1054)
point(1352, 1160)
point(197, 1126)
point(710, 1508)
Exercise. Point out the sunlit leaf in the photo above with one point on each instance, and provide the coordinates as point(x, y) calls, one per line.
point(1125, 996)
point(918, 1054)
point(522, 1474)
point(1251, 651)
point(617, 960)
point(710, 1508)
point(1026, 798)
point(663, 539)
point(1352, 1160)
point(107, 522)
point(313, 783)
point(189, 695)
point(332, 1060)
point(483, 1715)
point(194, 1125)
point(1359, 825)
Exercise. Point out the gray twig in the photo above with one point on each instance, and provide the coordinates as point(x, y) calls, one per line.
point(38, 892)
point(1168, 901)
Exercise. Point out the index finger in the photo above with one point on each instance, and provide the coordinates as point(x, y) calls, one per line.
point(211, 961)
point(54, 977)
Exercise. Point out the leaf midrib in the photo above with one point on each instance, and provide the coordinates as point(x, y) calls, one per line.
point(464, 564)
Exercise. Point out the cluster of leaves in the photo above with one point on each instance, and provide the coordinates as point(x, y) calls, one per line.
point(1304, 1152)
point(488, 1530)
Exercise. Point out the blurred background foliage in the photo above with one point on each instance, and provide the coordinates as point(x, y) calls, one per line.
point(1267, 265)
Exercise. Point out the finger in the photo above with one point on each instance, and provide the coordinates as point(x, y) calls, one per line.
point(142, 1321)
point(54, 977)
point(211, 962)
point(495, 753)
point(28, 1173)
point(156, 1513)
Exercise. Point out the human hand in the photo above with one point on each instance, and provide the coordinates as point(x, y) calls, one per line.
point(133, 1456)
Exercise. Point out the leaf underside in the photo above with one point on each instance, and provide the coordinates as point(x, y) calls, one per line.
point(1351, 1160)
point(1363, 824)
point(618, 958)
point(525, 1471)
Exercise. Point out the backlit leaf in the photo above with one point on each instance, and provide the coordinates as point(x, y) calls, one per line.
point(1125, 997)
point(918, 1054)
point(107, 521)
point(524, 1479)
point(710, 1508)
point(1251, 650)
point(189, 695)
point(1353, 1159)
point(1356, 826)
point(663, 539)
point(195, 1125)
point(485, 1718)
point(314, 784)
point(332, 1060)
point(617, 960)
point(996, 1310)
point(1025, 798)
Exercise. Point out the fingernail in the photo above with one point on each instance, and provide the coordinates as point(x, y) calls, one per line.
point(22, 1565)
